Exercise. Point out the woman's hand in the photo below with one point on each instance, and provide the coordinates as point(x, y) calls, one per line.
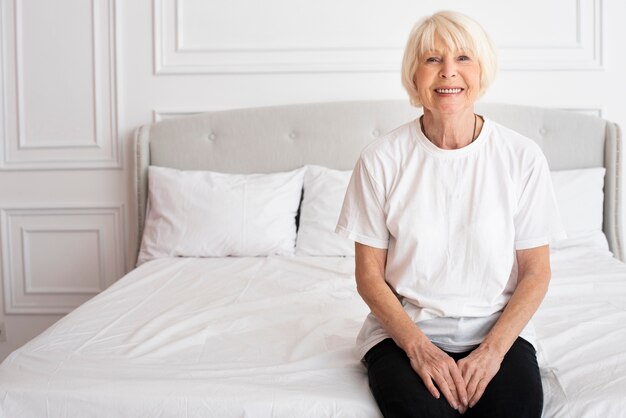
point(482, 364)
point(433, 365)
point(477, 369)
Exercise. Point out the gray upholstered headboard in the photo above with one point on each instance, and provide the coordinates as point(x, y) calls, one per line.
point(332, 134)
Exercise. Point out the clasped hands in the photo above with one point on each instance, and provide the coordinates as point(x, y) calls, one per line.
point(462, 383)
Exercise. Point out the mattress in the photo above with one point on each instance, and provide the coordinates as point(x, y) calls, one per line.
point(274, 337)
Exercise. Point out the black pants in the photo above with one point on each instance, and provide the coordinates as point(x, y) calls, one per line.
point(515, 391)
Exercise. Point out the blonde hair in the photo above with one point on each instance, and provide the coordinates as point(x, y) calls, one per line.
point(458, 32)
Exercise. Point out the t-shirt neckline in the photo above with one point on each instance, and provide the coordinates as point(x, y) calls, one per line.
point(451, 153)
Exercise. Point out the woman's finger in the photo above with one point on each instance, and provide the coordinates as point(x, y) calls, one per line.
point(446, 390)
point(471, 386)
point(428, 382)
point(459, 382)
point(482, 385)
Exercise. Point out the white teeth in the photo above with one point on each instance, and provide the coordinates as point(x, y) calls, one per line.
point(448, 90)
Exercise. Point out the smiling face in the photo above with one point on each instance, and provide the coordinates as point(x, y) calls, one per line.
point(447, 81)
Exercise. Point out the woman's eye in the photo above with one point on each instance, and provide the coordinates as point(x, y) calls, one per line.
point(464, 58)
point(432, 59)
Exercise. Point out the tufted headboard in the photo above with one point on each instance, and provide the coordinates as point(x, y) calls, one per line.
point(281, 138)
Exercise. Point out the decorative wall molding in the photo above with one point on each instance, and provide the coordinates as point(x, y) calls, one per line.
point(25, 143)
point(584, 52)
point(159, 115)
point(3, 93)
point(96, 231)
point(100, 149)
point(29, 261)
point(173, 56)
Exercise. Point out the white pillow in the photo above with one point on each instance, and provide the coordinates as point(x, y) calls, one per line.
point(324, 190)
point(208, 214)
point(580, 197)
point(579, 194)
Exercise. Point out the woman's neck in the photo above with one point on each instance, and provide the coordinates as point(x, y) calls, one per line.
point(451, 131)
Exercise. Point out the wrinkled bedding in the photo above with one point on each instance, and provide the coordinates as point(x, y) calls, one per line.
point(274, 337)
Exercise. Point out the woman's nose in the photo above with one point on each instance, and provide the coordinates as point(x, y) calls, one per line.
point(448, 70)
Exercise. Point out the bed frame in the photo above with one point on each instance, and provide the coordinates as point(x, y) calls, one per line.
point(332, 135)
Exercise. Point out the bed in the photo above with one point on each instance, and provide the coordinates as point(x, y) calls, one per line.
point(259, 325)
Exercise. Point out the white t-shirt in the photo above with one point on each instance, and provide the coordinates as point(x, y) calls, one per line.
point(451, 221)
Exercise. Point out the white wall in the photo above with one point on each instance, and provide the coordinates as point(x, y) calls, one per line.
point(76, 77)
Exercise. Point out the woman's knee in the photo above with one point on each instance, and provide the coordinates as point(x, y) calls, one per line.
point(516, 390)
point(397, 389)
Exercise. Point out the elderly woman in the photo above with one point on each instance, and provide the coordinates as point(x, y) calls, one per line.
point(452, 215)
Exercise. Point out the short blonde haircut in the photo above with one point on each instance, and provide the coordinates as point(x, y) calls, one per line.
point(458, 32)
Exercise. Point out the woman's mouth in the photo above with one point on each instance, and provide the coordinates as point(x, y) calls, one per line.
point(449, 90)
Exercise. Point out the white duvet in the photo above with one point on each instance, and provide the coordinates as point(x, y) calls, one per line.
point(274, 337)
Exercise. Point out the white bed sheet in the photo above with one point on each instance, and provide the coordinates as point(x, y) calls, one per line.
point(225, 337)
point(274, 337)
point(581, 330)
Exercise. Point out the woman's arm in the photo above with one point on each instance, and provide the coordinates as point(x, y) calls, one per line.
point(484, 362)
point(428, 361)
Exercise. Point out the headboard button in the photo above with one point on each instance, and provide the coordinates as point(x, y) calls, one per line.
point(212, 136)
point(542, 131)
point(292, 135)
point(376, 132)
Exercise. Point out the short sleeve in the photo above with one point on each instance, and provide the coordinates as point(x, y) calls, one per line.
point(362, 218)
point(537, 219)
